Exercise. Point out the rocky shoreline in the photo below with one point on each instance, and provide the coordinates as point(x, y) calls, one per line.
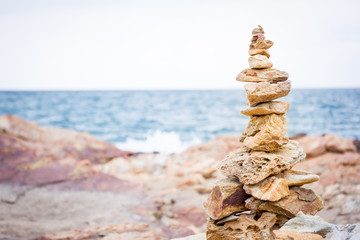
point(56, 180)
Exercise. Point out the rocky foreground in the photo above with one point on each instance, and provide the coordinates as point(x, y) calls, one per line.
point(54, 180)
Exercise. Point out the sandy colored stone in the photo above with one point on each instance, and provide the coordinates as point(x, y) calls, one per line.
point(245, 227)
point(261, 43)
point(265, 91)
point(265, 133)
point(266, 108)
point(227, 197)
point(266, 141)
point(259, 62)
point(258, 30)
point(276, 187)
point(251, 167)
point(298, 177)
point(264, 52)
point(299, 199)
point(270, 189)
point(293, 235)
point(270, 75)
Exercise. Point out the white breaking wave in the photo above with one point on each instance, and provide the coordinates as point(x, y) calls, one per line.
point(158, 141)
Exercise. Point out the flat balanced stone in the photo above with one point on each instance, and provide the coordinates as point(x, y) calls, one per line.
point(227, 197)
point(299, 199)
point(266, 92)
point(267, 108)
point(270, 75)
point(251, 167)
point(265, 52)
point(259, 61)
point(265, 133)
point(276, 187)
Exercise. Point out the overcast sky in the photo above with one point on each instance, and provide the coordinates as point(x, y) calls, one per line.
point(173, 44)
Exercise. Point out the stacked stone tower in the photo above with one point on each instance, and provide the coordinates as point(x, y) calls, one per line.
point(261, 192)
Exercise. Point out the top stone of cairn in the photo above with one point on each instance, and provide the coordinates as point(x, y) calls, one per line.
point(260, 65)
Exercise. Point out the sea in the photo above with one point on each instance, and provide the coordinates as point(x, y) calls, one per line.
point(172, 120)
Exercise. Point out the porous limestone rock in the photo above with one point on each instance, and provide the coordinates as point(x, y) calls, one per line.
point(227, 197)
point(293, 235)
point(270, 75)
point(267, 108)
point(251, 167)
point(299, 199)
point(259, 61)
point(264, 52)
point(265, 133)
point(244, 228)
point(276, 187)
point(265, 91)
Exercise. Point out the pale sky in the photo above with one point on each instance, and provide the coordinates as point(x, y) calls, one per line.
point(173, 44)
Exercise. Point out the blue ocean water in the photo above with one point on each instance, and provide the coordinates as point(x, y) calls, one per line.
point(169, 121)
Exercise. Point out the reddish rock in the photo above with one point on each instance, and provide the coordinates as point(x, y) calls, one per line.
point(118, 231)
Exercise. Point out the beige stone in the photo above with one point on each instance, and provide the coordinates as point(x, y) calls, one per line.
point(227, 197)
point(276, 187)
point(267, 108)
point(261, 43)
point(298, 177)
point(299, 199)
point(265, 133)
point(270, 122)
point(270, 189)
point(259, 62)
point(264, 52)
point(257, 30)
point(266, 141)
point(245, 227)
point(265, 92)
point(251, 167)
point(270, 75)
point(293, 235)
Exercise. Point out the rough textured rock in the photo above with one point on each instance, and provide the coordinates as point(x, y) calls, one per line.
point(265, 133)
point(227, 197)
point(276, 187)
point(299, 199)
point(251, 167)
point(259, 62)
point(266, 108)
point(245, 227)
point(119, 231)
point(293, 235)
point(266, 141)
point(265, 91)
point(264, 52)
point(270, 75)
point(261, 43)
point(315, 224)
point(269, 189)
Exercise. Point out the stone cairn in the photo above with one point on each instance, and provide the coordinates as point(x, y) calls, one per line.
point(261, 192)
